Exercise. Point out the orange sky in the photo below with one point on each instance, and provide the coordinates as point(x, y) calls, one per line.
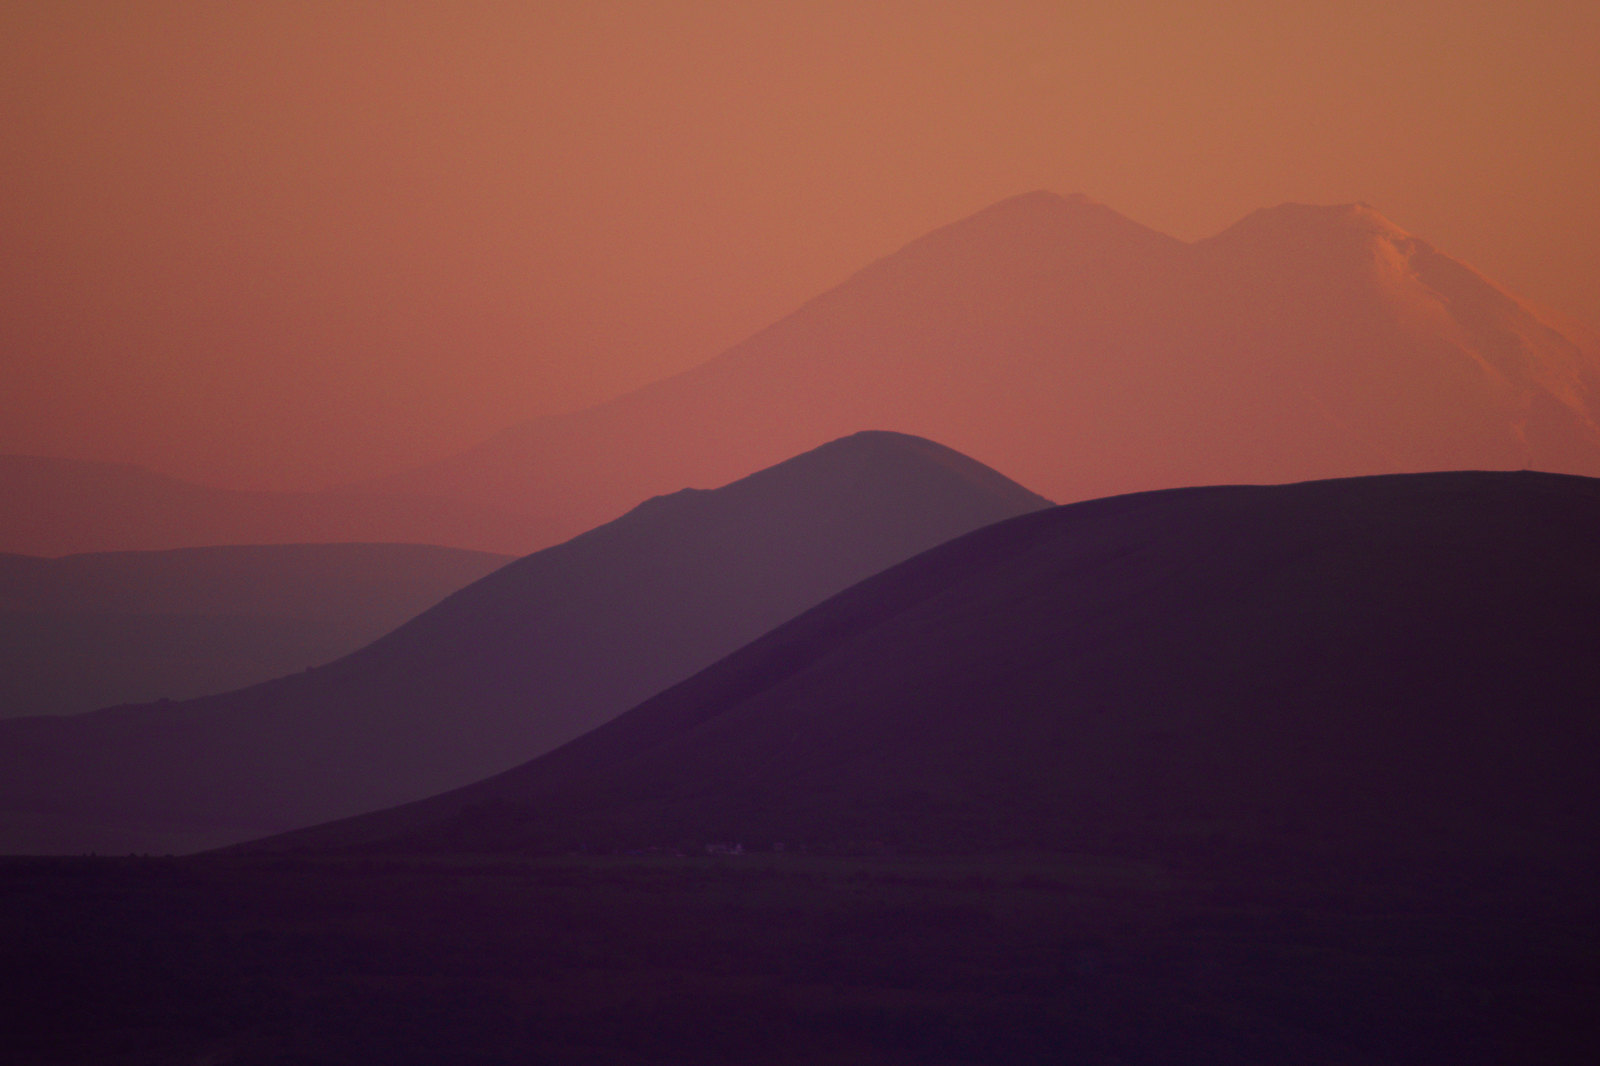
point(286, 244)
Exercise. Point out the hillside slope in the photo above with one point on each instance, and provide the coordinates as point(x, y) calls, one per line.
point(1398, 668)
point(509, 667)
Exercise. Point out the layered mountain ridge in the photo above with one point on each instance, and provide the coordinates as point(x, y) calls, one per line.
point(1396, 669)
point(530, 656)
point(1053, 338)
point(1046, 336)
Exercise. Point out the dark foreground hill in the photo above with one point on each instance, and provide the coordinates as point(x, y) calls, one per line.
point(509, 667)
point(1311, 762)
point(1387, 670)
point(92, 630)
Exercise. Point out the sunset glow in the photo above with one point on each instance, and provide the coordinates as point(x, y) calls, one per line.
point(799, 531)
point(292, 245)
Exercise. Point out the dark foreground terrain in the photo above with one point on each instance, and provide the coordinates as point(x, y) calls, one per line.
point(789, 958)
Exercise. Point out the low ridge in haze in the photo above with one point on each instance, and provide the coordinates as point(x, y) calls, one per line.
point(66, 506)
point(509, 667)
point(1395, 669)
point(88, 631)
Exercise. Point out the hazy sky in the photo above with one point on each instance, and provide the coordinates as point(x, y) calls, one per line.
point(285, 244)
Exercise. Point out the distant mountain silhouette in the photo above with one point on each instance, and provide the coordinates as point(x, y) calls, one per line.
point(1088, 356)
point(88, 631)
point(62, 507)
point(525, 659)
point(1392, 669)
